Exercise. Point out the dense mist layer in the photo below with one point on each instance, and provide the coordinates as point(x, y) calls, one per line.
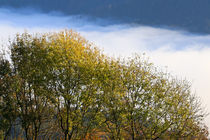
point(192, 15)
point(185, 55)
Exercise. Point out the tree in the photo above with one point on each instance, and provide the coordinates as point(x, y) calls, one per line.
point(159, 105)
point(7, 106)
point(71, 82)
point(29, 69)
point(112, 92)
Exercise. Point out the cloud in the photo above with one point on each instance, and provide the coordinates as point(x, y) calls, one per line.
point(184, 54)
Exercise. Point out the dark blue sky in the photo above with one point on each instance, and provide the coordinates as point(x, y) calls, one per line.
point(191, 15)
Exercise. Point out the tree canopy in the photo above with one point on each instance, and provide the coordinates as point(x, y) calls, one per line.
point(60, 86)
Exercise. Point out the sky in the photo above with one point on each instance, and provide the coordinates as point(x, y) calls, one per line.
point(183, 54)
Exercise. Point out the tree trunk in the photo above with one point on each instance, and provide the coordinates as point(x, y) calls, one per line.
point(7, 133)
point(26, 131)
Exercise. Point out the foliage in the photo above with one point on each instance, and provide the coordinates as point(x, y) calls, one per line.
point(59, 86)
point(7, 107)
